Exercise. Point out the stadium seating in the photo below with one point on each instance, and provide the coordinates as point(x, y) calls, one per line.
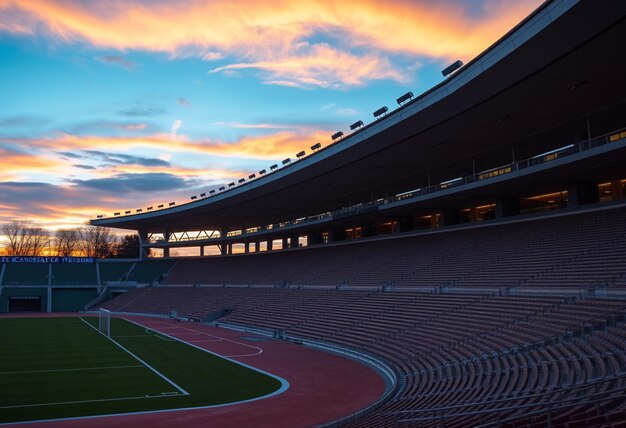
point(25, 274)
point(114, 271)
point(483, 325)
point(573, 251)
point(74, 274)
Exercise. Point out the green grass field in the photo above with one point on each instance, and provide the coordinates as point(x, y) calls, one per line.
point(64, 367)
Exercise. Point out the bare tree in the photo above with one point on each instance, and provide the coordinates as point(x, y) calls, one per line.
point(96, 241)
point(67, 242)
point(38, 239)
point(24, 240)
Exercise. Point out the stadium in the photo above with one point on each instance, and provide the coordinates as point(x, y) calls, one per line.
point(459, 259)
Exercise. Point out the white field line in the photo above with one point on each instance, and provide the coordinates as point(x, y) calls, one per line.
point(259, 350)
point(70, 370)
point(181, 390)
point(58, 403)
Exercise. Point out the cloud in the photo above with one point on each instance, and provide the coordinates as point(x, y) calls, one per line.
point(347, 111)
point(142, 112)
point(175, 126)
point(303, 44)
point(283, 143)
point(212, 56)
point(125, 159)
point(87, 167)
point(23, 121)
point(147, 182)
point(118, 60)
point(70, 205)
point(183, 102)
point(322, 66)
point(108, 125)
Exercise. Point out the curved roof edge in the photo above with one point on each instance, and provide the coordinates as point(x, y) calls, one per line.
point(538, 20)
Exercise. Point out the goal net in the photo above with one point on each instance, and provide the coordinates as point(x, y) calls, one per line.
point(104, 321)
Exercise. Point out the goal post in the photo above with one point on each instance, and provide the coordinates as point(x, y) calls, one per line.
point(104, 321)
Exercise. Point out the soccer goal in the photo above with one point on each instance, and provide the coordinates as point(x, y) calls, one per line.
point(104, 321)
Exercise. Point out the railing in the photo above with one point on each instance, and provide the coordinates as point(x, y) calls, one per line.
point(487, 174)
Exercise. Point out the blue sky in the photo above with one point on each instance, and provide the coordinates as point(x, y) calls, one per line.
point(108, 106)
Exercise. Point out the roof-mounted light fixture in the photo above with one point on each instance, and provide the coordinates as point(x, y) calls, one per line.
point(452, 68)
point(337, 135)
point(356, 125)
point(404, 98)
point(378, 113)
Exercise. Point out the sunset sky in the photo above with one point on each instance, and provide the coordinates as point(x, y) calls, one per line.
point(114, 105)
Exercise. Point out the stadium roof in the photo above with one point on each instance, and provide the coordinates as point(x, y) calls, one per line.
point(559, 72)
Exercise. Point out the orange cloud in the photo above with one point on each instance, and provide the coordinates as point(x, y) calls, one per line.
point(271, 147)
point(277, 38)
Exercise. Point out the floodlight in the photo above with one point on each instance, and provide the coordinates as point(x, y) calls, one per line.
point(160, 206)
point(405, 97)
point(356, 125)
point(99, 216)
point(300, 154)
point(149, 208)
point(286, 161)
point(194, 197)
point(242, 180)
point(232, 184)
point(262, 172)
point(126, 212)
point(316, 146)
point(337, 135)
point(171, 204)
point(452, 68)
point(273, 167)
point(203, 195)
point(139, 210)
point(380, 111)
point(116, 213)
point(222, 188)
point(212, 192)
point(251, 176)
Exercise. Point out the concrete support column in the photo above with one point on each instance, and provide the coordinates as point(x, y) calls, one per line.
point(369, 229)
point(449, 217)
point(230, 248)
point(337, 235)
point(270, 245)
point(406, 224)
point(473, 215)
point(433, 221)
point(246, 247)
point(285, 243)
point(582, 193)
point(506, 207)
point(143, 239)
point(223, 248)
point(201, 250)
point(616, 190)
point(314, 238)
point(166, 237)
point(294, 241)
point(257, 247)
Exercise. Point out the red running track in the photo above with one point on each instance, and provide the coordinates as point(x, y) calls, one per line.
point(323, 386)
